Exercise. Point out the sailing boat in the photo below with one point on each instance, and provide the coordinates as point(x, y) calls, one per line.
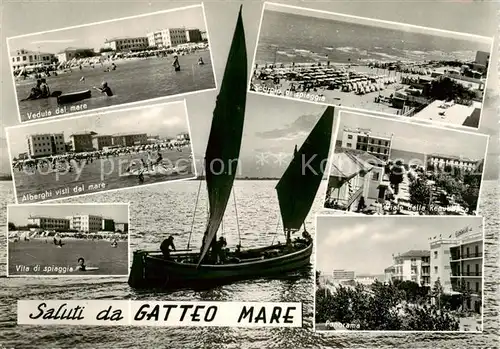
point(296, 192)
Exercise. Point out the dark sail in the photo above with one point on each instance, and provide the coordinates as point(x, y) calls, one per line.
point(299, 184)
point(223, 149)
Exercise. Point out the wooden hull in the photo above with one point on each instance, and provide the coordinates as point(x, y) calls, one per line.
point(73, 97)
point(153, 271)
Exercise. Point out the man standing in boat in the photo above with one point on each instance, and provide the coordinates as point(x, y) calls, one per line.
point(166, 245)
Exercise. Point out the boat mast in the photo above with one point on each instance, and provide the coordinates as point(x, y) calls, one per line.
point(237, 220)
point(194, 213)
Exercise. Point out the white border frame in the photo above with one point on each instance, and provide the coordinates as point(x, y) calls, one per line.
point(423, 121)
point(51, 276)
point(341, 112)
point(112, 107)
point(58, 120)
point(386, 332)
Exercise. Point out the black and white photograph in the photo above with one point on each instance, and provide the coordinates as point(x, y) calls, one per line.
point(89, 154)
point(111, 63)
point(68, 240)
point(379, 167)
point(226, 257)
point(399, 274)
point(387, 67)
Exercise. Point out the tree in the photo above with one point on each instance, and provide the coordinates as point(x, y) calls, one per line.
point(318, 275)
point(465, 294)
point(379, 307)
point(470, 196)
point(420, 194)
point(437, 292)
point(11, 226)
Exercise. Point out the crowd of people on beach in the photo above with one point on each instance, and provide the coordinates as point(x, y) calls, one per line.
point(67, 162)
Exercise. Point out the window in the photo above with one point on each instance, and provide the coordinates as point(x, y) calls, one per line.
point(371, 148)
point(476, 249)
point(349, 145)
point(435, 254)
point(477, 286)
point(467, 253)
point(435, 270)
point(375, 176)
point(349, 136)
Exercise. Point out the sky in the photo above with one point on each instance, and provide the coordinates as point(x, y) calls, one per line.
point(166, 120)
point(366, 244)
point(385, 24)
point(264, 114)
point(94, 36)
point(418, 138)
point(19, 214)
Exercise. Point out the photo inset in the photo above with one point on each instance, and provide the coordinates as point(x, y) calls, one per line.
point(116, 62)
point(380, 167)
point(399, 274)
point(386, 67)
point(68, 240)
point(89, 154)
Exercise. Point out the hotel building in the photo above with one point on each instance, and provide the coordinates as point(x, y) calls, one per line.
point(365, 140)
point(49, 223)
point(81, 142)
point(85, 223)
point(438, 161)
point(127, 44)
point(193, 35)
point(108, 224)
point(354, 175)
point(413, 265)
point(45, 144)
point(101, 141)
point(167, 37)
point(457, 261)
point(129, 139)
point(74, 53)
point(341, 274)
point(25, 58)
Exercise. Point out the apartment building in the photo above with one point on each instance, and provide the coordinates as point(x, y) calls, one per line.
point(413, 265)
point(85, 223)
point(341, 274)
point(81, 142)
point(101, 141)
point(169, 37)
point(49, 223)
point(45, 144)
point(439, 161)
point(366, 140)
point(127, 44)
point(129, 139)
point(26, 58)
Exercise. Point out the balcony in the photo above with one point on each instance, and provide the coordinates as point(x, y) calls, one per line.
point(474, 255)
point(468, 274)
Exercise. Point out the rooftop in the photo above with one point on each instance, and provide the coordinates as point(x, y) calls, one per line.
point(125, 38)
point(415, 254)
point(455, 114)
point(129, 134)
point(367, 132)
point(90, 133)
point(452, 157)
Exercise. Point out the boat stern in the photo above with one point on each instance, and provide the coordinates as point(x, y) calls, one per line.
point(136, 276)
